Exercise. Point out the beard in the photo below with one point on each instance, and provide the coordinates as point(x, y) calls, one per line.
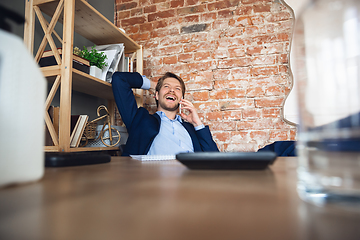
point(168, 108)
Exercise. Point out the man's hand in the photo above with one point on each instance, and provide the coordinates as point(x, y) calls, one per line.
point(193, 116)
point(152, 87)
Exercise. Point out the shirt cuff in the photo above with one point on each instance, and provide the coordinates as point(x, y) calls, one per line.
point(146, 83)
point(197, 128)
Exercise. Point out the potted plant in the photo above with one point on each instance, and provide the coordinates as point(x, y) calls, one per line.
point(96, 59)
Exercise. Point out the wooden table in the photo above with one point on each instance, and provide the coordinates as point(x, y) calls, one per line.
point(127, 199)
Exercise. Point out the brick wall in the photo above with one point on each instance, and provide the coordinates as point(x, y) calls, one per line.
point(233, 56)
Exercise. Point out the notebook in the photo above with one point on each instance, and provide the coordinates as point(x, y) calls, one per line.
point(153, 157)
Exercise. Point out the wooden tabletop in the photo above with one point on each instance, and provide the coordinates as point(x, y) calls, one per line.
point(127, 199)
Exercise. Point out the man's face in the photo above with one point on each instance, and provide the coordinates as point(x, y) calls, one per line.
point(169, 95)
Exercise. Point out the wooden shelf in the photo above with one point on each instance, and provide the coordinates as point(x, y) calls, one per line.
point(80, 149)
point(76, 16)
point(82, 82)
point(89, 23)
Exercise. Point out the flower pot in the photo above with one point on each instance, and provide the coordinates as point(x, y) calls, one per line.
point(95, 71)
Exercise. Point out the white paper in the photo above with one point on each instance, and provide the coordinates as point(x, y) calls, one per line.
point(153, 157)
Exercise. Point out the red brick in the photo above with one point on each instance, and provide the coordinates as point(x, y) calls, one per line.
point(259, 8)
point(281, 16)
point(199, 85)
point(191, 10)
point(191, 19)
point(201, 96)
point(236, 104)
point(275, 91)
point(231, 63)
point(236, 93)
point(255, 92)
point(170, 60)
point(177, 3)
point(226, 84)
point(194, 47)
point(255, 124)
point(264, 60)
point(185, 57)
point(199, 56)
point(222, 126)
point(146, 27)
point(255, 1)
point(232, 115)
point(279, 135)
point(270, 112)
point(259, 135)
point(164, 32)
point(206, 106)
point(269, 102)
point(256, 71)
point(225, 14)
point(150, 9)
point(167, 51)
point(221, 53)
point(161, 15)
point(218, 94)
point(221, 136)
point(241, 22)
point(132, 21)
point(221, 74)
point(234, 32)
point(126, 6)
point(132, 29)
point(140, 37)
point(251, 113)
point(205, 17)
point(123, 14)
point(136, 12)
point(239, 136)
point(214, 116)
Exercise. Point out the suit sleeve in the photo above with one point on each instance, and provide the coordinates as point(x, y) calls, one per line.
point(122, 84)
point(206, 141)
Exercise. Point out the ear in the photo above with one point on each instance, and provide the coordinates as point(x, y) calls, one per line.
point(157, 95)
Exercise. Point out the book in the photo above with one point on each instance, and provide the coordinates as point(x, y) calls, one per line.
point(153, 157)
point(78, 130)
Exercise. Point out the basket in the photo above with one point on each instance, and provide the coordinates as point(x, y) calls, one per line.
point(90, 130)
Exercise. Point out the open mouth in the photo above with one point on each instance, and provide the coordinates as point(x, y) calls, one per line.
point(170, 98)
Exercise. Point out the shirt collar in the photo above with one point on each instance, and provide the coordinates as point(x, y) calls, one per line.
point(162, 116)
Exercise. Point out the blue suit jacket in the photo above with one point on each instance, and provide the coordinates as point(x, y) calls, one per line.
point(142, 126)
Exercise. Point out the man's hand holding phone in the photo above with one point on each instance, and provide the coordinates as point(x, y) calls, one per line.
point(193, 116)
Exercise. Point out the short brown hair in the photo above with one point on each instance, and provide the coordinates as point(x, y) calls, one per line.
point(169, 75)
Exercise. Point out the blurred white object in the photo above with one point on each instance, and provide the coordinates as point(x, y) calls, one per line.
point(22, 98)
point(327, 48)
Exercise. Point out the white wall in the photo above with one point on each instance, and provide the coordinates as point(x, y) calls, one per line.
point(291, 104)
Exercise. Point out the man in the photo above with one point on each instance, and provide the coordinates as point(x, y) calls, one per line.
point(164, 132)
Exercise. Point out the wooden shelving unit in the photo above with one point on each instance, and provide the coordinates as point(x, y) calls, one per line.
point(76, 16)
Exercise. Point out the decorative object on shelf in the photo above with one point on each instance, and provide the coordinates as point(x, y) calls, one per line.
point(109, 138)
point(95, 57)
point(114, 53)
point(95, 71)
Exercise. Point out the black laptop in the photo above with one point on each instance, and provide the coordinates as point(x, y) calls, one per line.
point(227, 160)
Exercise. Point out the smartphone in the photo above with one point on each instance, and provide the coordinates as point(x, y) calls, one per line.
point(179, 108)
